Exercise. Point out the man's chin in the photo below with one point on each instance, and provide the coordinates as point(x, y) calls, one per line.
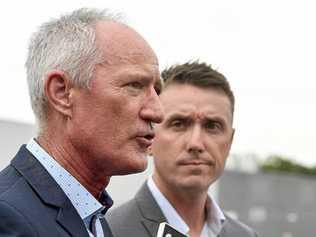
point(195, 184)
point(135, 166)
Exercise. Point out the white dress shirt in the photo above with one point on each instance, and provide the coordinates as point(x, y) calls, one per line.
point(212, 226)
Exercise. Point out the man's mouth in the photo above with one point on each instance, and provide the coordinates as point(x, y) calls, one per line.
point(196, 162)
point(146, 139)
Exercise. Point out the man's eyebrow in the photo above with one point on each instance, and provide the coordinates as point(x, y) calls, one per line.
point(137, 76)
point(177, 116)
point(219, 119)
point(213, 118)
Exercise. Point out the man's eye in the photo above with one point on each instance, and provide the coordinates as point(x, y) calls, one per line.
point(212, 125)
point(178, 124)
point(135, 85)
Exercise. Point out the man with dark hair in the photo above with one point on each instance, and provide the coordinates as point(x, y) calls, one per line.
point(189, 151)
point(94, 85)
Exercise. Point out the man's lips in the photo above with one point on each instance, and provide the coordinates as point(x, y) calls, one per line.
point(145, 139)
point(196, 162)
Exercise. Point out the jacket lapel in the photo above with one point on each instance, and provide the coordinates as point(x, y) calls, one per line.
point(151, 213)
point(49, 192)
point(67, 218)
point(106, 228)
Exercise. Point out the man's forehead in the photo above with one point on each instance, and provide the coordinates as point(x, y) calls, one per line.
point(201, 115)
point(132, 60)
point(186, 100)
point(122, 44)
point(133, 70)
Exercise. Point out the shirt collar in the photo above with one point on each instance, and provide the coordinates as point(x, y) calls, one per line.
point(167, 209)
point(215, 217)
point(83, 201)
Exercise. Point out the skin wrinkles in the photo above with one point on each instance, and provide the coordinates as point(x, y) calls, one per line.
point(131, 73)
point(120, 96)
point(104, 130)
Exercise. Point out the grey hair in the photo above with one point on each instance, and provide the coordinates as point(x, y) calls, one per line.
point(67, 44)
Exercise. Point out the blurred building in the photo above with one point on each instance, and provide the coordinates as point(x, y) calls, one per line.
point(274, 204)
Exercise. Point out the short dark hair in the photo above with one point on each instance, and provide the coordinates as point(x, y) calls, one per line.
point(198, 74)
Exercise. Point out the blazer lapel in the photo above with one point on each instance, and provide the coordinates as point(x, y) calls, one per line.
point(67, 218)
point(223, 232)
point(106, 228)
point(49, 192)
point(151, 227)
point(152, 215)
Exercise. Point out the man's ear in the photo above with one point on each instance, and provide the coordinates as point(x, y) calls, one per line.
point(57, 90)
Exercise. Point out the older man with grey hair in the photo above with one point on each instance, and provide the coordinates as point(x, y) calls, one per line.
point(94, 85)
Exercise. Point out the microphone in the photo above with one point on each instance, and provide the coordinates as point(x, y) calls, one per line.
point(166, 230)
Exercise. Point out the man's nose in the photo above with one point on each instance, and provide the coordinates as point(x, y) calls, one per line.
point(195, 141)
point(152, 110)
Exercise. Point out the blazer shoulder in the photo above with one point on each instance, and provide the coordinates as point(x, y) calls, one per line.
point(126, 220)
point(142, 205)
point(10, 175)
point(13, 222)
point(122, 213)
point(8, 178)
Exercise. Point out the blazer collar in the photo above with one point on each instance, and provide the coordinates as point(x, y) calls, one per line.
point(49, 191)
point(149, 209)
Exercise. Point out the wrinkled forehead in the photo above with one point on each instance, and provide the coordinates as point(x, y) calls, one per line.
point(121, 44)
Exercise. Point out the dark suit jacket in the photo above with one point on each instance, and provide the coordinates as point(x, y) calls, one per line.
point(32, 203)
point(141, 216)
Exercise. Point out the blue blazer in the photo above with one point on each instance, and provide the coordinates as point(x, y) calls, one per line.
point(33, 204)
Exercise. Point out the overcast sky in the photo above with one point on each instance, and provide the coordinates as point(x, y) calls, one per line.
point(266, 49)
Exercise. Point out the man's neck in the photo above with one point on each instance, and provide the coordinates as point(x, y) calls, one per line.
point(192, 211)
point(190, 205)
point(63, 153)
